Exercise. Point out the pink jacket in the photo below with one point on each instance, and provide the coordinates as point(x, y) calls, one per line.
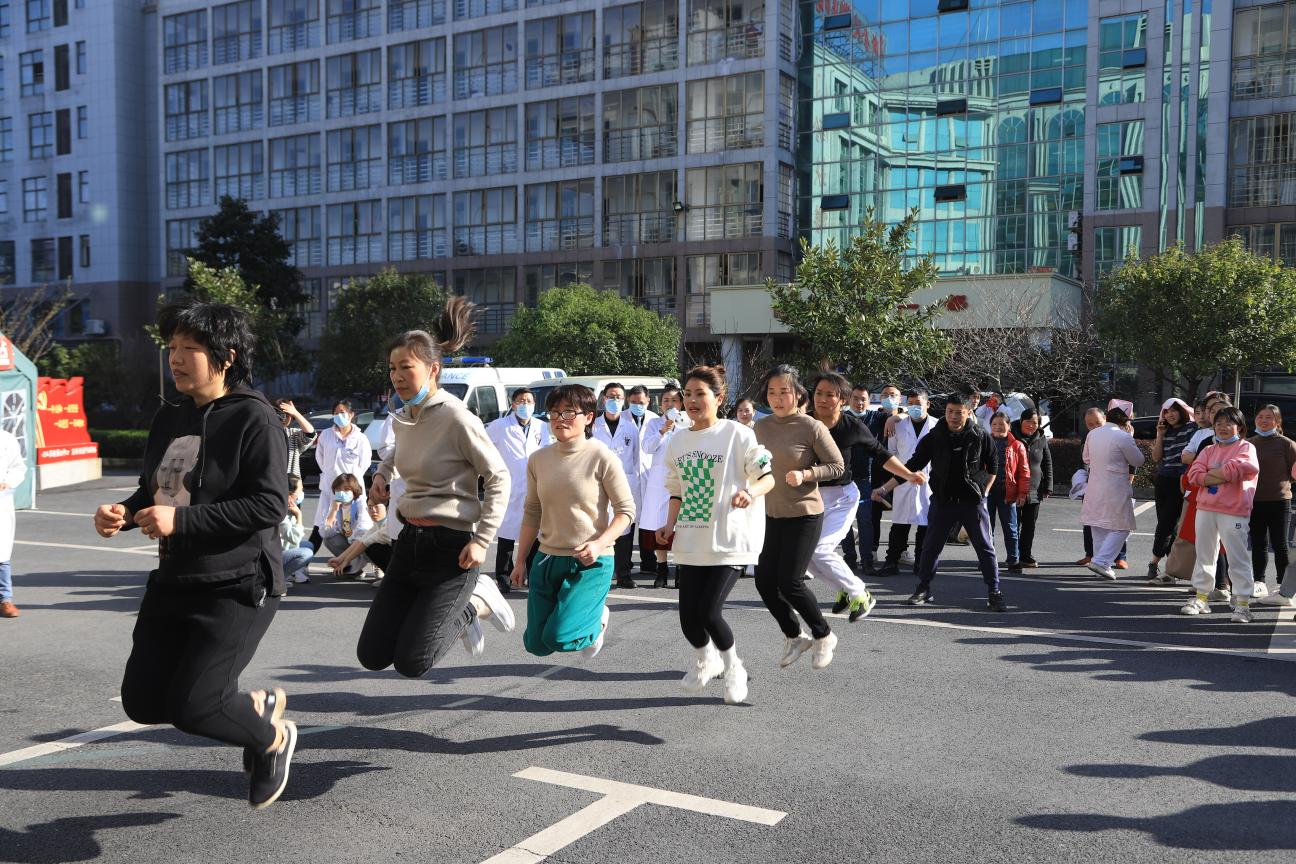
point(1240, 467)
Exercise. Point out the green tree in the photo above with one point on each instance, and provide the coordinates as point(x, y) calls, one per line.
point(120, 380)
point(1191, 314)
point(239, 237)
point(853, 308)
point(365, 316)
point(587, 332)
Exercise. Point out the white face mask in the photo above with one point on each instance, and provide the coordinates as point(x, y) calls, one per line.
point(673, 415)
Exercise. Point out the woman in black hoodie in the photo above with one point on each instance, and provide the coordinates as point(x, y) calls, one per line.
point(1027, 430)
point(211, 495)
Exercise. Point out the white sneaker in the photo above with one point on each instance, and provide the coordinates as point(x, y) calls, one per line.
point(1276, 599)
point(298, 578)
point(1221, 595)
point(1195, 606)
point(589, 652)
point(474, 638)
point(1104, 572)
point(906, 557)
point(501, 612)
point(1242, 615)
point(706, 665)
point(1260, 589)
point(794, 647)
point(735, 684)
point(823, 651)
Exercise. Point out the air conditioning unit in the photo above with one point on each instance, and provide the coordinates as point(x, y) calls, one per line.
point(95, 327)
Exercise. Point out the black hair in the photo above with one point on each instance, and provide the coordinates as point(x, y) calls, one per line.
point(224, 330)
point(783, 370)
point(1029, 414)
point(670, 388)
point(863, 387)
point(520, 392)
point(578, 396)
point(1274, 410)
point(638, 390)
point(345, 403)
point(1234, 416)
point(917, 393)
point(836, 380)
point(453, 330)
point(1117, 416)
point(956, 398)
point(293, 482)
point(608, 386)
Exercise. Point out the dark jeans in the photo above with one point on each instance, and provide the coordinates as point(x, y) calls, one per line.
point(1088, 545)
point(701, 604)
point(1268, 527)
point(504, 557)
point(1006, 513)
point(898, 542)
point(190, 646)
point(1169, 507)
point(863, 528)
point(975, 517)
point(789, 543)
point(422, 604)
point(877, 527)
point(1027, 516)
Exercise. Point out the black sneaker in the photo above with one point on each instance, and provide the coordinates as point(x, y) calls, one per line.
point(920, 597)
point(674, 571)
point(1013, 567)
point(889, 569)
point(270, 770)
point(996, 602)
point(867, 569)
point(626, 581)
point(843, 600)
point(660, 581)
point(276, 702)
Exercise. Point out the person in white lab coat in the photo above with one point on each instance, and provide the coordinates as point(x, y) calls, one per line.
point(516, 436)
point(909, 502)
point(13, 471)
point(341, 449)
point(622, 435)
point(656, 500)
point(637, 401)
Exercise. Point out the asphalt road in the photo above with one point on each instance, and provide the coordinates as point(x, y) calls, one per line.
point(1089, 723)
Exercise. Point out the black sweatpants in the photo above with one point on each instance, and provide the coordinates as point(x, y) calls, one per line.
point(504, 556)
point(190, 645)
point(622, 552)
point(898, 542)
point(1169, 507)
point(701, 604)
point(789, 543)
point(1269, 527)
point(1027, 516)
point(422, 604)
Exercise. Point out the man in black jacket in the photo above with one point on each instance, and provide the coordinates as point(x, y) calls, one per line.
point(963, 467)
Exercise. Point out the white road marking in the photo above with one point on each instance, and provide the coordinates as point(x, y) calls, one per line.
point(69, 743)
point(1144, 507)
point(59, 513)
point(133, 550)
point(1081, 531)
point(618, 799)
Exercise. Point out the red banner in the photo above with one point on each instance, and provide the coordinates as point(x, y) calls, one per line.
point(62, 432)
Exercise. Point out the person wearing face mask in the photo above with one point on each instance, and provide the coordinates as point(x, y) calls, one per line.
point(1027, 430)
point(516, 436)
point(857, 546)
point(347, 519)
point(1225, 474)
point(621, 435)
point(637, 401)
point(910, 501)
point(340, 449)
point(376, 543)
point(1175, 427)
point(1108, 509)
point(1271, 508)
point(658, 432)
point(296, 557)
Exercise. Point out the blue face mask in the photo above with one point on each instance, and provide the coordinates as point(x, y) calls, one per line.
point(673, 415)
point(1233, 440)
point(417, 398)
point(915, 412)
point(524, 410)
point(612, 406)
point(890, 403)
point(341, 420)
point(299, 498)
point(638, 409)
point(343, 497)
point(1269, 434)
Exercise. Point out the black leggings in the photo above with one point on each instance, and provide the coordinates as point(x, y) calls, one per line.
point(1269, 527)
point(701, 601)
point(1027, 516)
point(789, 543)
point(1169, 507)
point(422, 604)
point(504, 556)
point(622, 552)
point(190, 646)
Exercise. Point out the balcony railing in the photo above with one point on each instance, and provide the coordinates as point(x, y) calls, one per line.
point(568, 67)
point(729, 43)
point(491, 80)
point(638, 58)
point(656, 226)
point(727, 222)
point(551, 235)
point(562, 152)
point(646, 142)
point(738, 132)
point(420, 90)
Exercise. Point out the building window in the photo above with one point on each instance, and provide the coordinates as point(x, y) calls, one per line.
point(4, 197)
point(81, 64)
point(2, 77)
point(40, 134)
point(237, 102)
point(35, 198)
point(464, 9)
point(296, 166)
point(239, 171)
point(416, 151)
point(236, 31)
point(640, 38)
point(417, 228)
point(294, 93)
point(83, 187)
point(494, 290)
point(1111, 246)
point(181, 239)
point(640, 123)
point(62, 72)
point(355, 232)
point(1264, 51)
point(42, 260)
point(186, 179)
point(485, 62)
point(416, 73)
point(725, 30)
point(6, 139)
point(63, 195)
point(60, 13)
point(560, 133)
point(65, 263)
point(1262, 161)
point(725, 202)
point(485, 221)
point(294, 25)
point(726, 113)
point(560, 50)
point(83, 122)
point(735, 268)
point(560, 216)
point(1120, 165)
point(1260, 239)
point(186, 110)
point(539, 278)
point(354, 83)
point(8, 261)
point(38, 15)
point(31, 72)
point(5, 25)
point(355, 158)
point(300, 228)
point(485, 142)
point(353, 19)
point(414, 14)
point(85, 250)
point(639, 208)
point(650, 282)
point(1122, 59)
point(62, 132)
point(184, 41)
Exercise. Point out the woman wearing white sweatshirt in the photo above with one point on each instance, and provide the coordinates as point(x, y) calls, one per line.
point(716, 473)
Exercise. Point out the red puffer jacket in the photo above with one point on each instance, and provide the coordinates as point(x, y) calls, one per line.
point(1016, 470)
